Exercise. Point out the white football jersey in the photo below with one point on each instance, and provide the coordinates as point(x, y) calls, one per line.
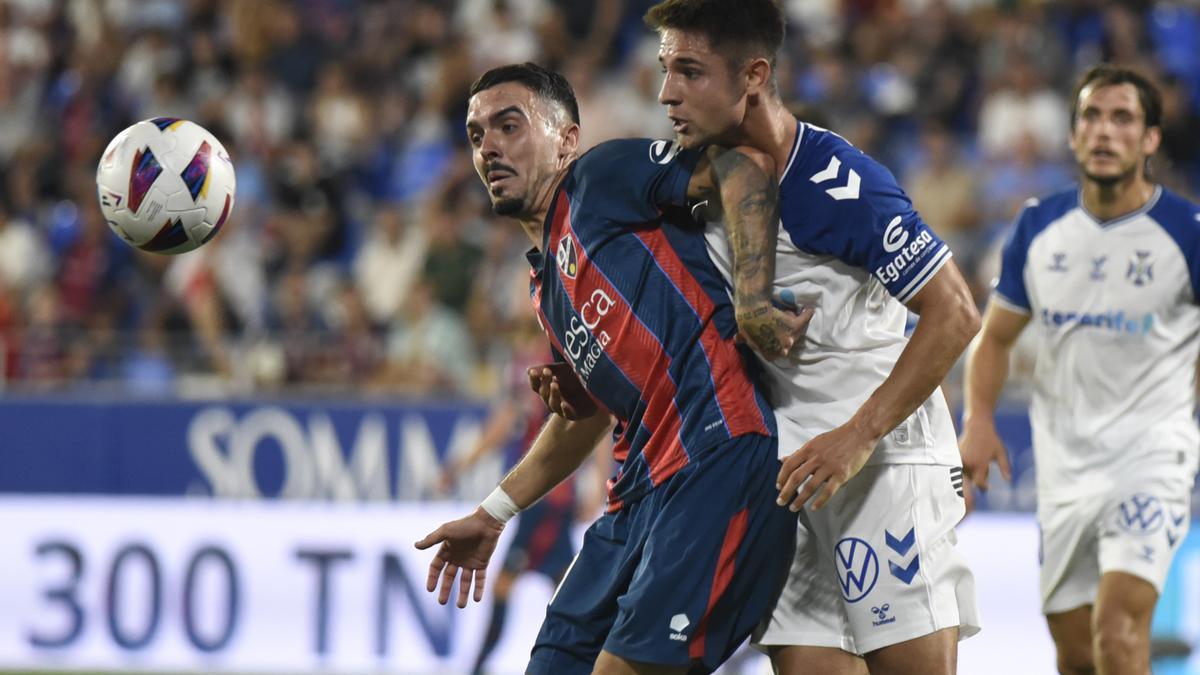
point(852, 247)
point(1114, 308)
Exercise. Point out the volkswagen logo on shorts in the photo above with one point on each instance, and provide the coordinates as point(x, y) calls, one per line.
point(857, 567)
point(1140, 514)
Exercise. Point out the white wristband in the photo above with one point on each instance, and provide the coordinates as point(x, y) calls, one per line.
point(500, 506)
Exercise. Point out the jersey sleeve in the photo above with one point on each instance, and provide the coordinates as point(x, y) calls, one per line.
point(1010, 286)
point(854, 209)
point(634, 179)
point(1181, 221)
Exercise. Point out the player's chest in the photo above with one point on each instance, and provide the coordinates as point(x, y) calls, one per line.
point(1088, 267)
point(577, 302)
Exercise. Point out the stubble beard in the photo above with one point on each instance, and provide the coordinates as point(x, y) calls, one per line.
point(1109, 180)
point(510, 206)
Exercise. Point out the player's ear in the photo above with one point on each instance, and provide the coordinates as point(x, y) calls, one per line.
point(1151, 140)
point(758, 76)
point(568, 144)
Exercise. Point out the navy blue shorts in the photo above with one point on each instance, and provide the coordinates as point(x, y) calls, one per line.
point(679, 577)
point(542, 542)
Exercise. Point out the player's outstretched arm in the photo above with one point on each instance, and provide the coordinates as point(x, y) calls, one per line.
point(987, 369)
point(948, 322)
point(744, 182)
point(467, 544)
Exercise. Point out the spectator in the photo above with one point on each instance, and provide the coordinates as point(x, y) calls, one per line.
point(344, 120)
point(1023, 106)
point(429, 351)
point(944, 190)
point(389, 262)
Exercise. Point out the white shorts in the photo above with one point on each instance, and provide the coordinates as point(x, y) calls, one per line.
point(877, 565)
point(1135, 529)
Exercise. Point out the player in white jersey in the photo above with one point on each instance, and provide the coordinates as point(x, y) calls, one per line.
point(1108, 275)
point(876, 573)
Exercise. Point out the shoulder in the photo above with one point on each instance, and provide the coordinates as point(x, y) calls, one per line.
point(623, 152)
point(1039, 212)
point(833, 194)
point(1180, 218)
point(828, 175)
point(1176, 211)
point(823, 156)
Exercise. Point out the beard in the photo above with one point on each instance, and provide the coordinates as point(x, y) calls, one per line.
point(508, 206)
point(1109, 180)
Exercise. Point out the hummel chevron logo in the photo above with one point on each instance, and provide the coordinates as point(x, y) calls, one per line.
point(905, 574)
point(901, 546)
point(1178, 519)
point(847, 191)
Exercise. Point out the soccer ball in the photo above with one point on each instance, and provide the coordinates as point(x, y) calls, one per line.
point(165, 185)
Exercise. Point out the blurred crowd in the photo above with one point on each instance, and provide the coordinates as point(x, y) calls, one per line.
point(362, 255)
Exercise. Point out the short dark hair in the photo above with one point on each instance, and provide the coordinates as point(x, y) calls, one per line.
point(542, 81)
point(1108, 74)
point(740, 29)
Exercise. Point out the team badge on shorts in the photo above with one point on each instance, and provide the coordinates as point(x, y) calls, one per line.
point(857, 568)
point(1140, 514)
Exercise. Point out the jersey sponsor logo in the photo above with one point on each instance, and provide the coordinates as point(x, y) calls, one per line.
point(662, 152)
point(1140, 514)
point(566, 257)
point(585, 344)
point(1141, 268)
point(908, 255)
point(1113, 320)
point(847, 191)
point(857, 568)
point(894, 236)
point(679, 623)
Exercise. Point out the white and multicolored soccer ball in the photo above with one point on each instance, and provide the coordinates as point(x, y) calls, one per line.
point(166, 185)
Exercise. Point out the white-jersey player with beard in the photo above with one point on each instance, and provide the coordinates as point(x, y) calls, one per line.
point(876, 565)
point(1107, 275)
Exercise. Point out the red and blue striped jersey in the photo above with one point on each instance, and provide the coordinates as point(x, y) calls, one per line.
point(629, 297)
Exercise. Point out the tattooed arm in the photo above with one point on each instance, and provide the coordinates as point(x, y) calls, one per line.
point(742, 180)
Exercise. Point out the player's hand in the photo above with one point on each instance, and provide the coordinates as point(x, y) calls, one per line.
point(980, 446)
point(825, 463)
point(773, 332)
point(561, 391)
point(467, 545)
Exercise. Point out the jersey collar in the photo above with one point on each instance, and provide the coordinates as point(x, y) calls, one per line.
point(1128, 216)
point(795, 150)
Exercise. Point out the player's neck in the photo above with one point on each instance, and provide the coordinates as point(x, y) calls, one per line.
point(1109, 201)
point(534, 224)
point(770, 128)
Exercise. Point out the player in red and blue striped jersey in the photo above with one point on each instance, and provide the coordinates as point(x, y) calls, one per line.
point(693, 547)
